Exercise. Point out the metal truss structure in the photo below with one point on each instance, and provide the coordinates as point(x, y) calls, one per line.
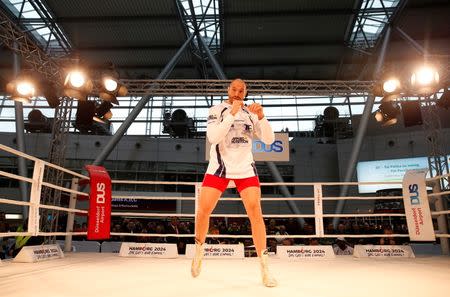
point(57, 155)
point(35, 18)
point(205, 20)
point(15, 38)
point(437, 153)
point(256, 87)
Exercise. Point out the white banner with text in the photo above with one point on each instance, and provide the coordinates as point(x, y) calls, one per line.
point(417, 207)
point(151, 250)
point(383, 251)
point(299, 252)
point(38, 253)
point(227, 251)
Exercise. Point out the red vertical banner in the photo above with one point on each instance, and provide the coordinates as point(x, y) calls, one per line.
point(99, 218)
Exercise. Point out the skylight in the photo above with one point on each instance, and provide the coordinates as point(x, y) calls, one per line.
point(372, 17)
point(207, 18)
point(37, 20)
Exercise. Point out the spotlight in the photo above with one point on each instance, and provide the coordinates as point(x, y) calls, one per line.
point(425, 80)
point(103, 112)
point(444, 101)
point(110, 87)
point(77, 85)
point(391, 85)
point(21, 89)
point(387, 113)
point(76, 79)
point(110, 84)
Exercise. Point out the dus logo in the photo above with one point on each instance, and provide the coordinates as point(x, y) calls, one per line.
point(259, 147)
point(101, 187)
point(414, 194)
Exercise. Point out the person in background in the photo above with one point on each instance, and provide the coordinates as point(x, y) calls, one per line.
point(342, 247)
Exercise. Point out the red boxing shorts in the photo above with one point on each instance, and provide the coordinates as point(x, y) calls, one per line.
point(221, 183)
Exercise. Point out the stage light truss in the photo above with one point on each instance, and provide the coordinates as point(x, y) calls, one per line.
point(256, 87)
point(19, 42)
point(22, 44)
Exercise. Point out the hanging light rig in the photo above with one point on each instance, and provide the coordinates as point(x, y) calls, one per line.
point(111, 87)
point(423, 81)
point(22, 89)
point(77, 85)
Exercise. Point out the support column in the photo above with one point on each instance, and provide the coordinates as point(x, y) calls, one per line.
point(215, 65)
point(357, 143)
point(194, 23)
point(20, 139)
point(139, 106)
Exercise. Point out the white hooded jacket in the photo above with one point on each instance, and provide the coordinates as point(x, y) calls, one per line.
point(231, 139)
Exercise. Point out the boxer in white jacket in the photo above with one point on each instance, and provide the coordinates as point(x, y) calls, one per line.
point(230, 129)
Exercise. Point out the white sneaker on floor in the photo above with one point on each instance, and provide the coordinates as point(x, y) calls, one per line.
point(267, 278)
point(196, 265)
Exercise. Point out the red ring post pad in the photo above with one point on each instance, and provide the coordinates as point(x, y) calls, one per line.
point(99, 218)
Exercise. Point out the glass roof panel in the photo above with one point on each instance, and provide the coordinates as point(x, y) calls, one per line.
point(52, 39)
point(372, 17)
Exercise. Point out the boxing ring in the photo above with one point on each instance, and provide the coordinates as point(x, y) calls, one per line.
point(108, 274)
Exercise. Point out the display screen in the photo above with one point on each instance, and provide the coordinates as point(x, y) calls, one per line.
point(386, 171)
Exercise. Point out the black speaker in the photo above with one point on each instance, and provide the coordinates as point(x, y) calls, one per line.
point(412, 114)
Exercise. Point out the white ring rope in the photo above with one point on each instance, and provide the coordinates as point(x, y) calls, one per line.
point(11, 234)
point(346, 215)
point(330, 183)
point(262, 199)
point(218, 215)
point(26, 156)
point(155, 214)
point(438, 194)
point(249, 235)
point(64, 189)
point(152, 198)
point(15, 202)
point(15, 176)
point(63, 208)
point(440, 212)
point(363, 198)
point(61, 233)
point(143, 182)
